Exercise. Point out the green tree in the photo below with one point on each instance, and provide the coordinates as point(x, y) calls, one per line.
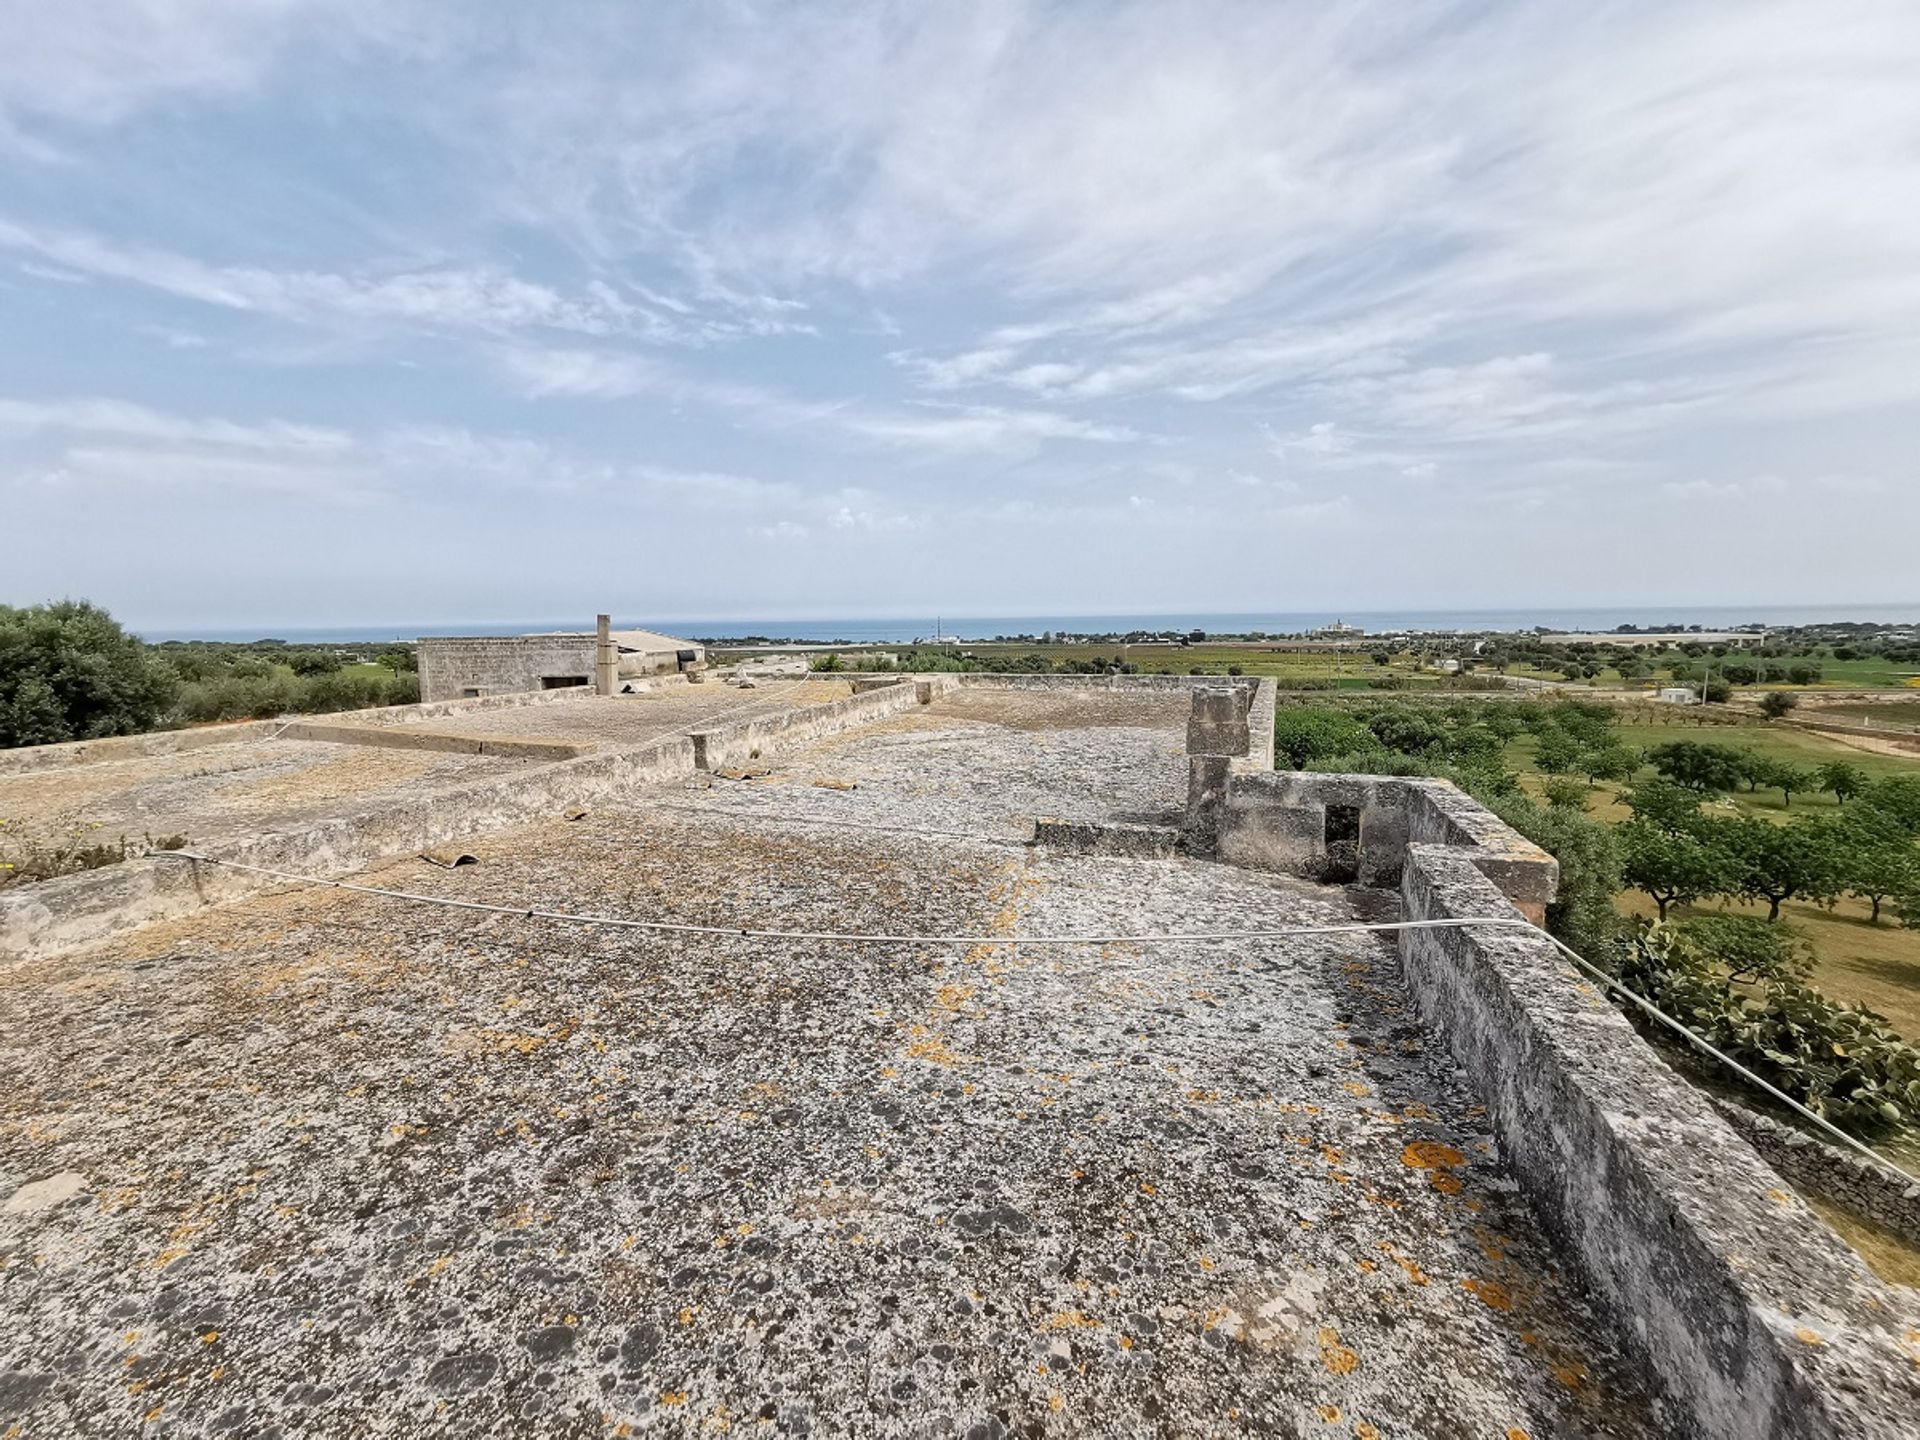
point(1877, 861)
point(1897, 801)
point(69, 672)
point(1673, 867)
point(1582, 914)
point(1304, 736)
point(1776, 704)
point(1557, 752)
point(1789, 779)
point(1709, 769)
point(1775, 863)
point(1612, 761)
point(1661, 802)
point(1843, 779)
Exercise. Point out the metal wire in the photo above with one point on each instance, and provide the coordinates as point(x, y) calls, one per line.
point(1195, 937)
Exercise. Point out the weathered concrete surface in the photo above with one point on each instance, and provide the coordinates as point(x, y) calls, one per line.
point(354, 1167)
point(1217, 724)
point(1757, 1318)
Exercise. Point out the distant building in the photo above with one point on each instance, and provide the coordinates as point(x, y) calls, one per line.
point(1339, 630)
point(1678, 695)
point(1447, 667)
point(458, 667)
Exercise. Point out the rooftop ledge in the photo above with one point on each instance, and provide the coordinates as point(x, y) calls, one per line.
point(320, 1160)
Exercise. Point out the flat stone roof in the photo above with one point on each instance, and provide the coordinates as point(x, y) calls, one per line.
point(224, 790)
point(322, 1163)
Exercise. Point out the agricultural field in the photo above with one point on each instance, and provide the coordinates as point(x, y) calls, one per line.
point(1878, 965)
point(1871, 712)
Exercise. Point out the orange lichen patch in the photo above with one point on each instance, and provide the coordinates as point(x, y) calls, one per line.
point(924, 1044)
point(1358, 1088)
point(1070, 1320)
point(1414, 1272)
point(1809, 1337)
point(1330, 1414)
point(1491, 1292)
point(1335, 1356)
point(953, 997)
point(1514, 1432)
point(673, 1397)
point(1440, 1159)
point(1570, 1373)
point(1430, 1155)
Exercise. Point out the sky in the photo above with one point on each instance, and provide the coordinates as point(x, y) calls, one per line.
point(357, 311)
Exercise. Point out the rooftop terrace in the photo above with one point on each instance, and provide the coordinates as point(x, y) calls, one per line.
point(321, 1162)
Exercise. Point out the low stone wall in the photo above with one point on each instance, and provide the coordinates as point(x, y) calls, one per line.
point(28, 758)
point(435, 709)
point(413, 737)
point(1757, 1319)
point(743, 740)
point(1839, 1175)
point(78, 909)
point(1097, 837)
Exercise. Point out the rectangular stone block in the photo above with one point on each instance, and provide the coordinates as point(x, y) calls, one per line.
point(1218, 724)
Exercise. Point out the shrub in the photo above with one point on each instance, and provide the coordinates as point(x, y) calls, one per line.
point(1843, 1062)
point(69, 672)
point(1565, 793)
point(1582, 915)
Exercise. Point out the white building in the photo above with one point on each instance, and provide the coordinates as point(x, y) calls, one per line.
point(1678, 695)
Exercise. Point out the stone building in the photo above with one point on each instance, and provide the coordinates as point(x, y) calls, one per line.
point(461, 667)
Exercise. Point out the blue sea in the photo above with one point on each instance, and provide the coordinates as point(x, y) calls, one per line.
point(902, 630)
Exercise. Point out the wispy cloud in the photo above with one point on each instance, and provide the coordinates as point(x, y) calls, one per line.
point(862, 272)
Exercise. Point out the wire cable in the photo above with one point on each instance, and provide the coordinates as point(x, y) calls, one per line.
point(1195, 937)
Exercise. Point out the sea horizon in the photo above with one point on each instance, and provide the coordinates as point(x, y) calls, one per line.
point(907, 629)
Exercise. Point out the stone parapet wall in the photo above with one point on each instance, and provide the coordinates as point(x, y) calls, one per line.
point(417, 737)
point(1756, 1318)
point(1848, 1179)
point(739, 741)
point(29, 758)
